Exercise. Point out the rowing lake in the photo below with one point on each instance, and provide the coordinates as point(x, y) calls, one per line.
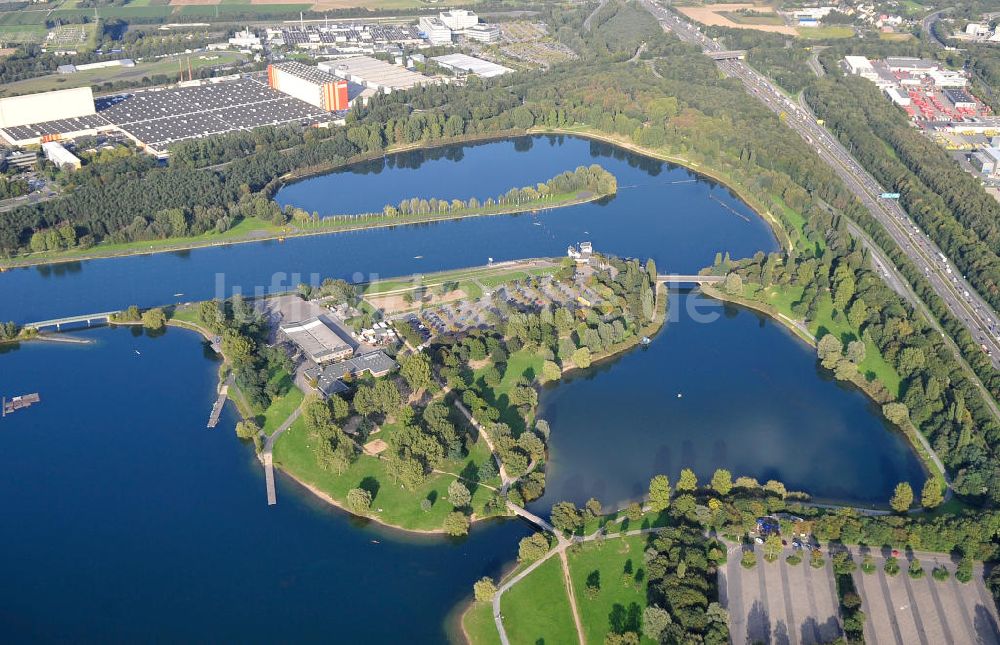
point(127, 520)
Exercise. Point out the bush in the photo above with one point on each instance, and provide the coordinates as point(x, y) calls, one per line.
point(484, 589)
point(940, 573)
point(749, 560)
point(964, 571)
point(916, 570)
point(794, 559)
point(891, 565)
point(816, 560)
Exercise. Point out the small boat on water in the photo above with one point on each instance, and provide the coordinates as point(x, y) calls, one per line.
point(418, 257)
point(645, 341)
point(137, 352)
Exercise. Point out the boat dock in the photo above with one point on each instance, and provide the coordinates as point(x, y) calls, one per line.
point(19, 402)
point(220, 402)
point(272, 497)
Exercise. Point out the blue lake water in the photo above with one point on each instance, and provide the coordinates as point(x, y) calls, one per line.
point(127, 520)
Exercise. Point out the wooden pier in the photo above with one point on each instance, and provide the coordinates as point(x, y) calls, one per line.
point(19, 402)
point(213, 419)
point(272, 497)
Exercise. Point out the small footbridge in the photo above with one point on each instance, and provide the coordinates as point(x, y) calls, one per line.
point(69, 320)
point(675, 278)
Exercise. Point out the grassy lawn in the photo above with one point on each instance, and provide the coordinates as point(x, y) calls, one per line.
point(399, 507)
point(479, 625)
point(537, 610)
point(874, 366)
point(521, 363)
point(617, 606)
point(282, 407)
point(187, 314)
point(826, 33)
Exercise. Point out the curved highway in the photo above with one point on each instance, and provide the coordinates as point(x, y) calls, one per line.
point(960, 298)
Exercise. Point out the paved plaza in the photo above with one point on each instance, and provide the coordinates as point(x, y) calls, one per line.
point(781, 604)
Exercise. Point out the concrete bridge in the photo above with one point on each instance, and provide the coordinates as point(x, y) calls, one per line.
point(59, 322)
point(674, 278)
point(738, 54)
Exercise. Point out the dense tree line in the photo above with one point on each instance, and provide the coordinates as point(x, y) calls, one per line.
point(258, 367)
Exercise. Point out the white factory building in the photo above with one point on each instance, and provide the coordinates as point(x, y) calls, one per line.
point(435, 30)
point(46, 106)
point(861, 66)
point(483, 33)
point(459, 19)
point(60, 156)
point(471, 65)
point(375, 74)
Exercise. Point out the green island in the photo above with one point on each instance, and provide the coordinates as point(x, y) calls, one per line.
point(258, 218)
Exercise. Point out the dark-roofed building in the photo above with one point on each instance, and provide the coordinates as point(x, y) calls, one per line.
point(317, 340)
point(329, 379)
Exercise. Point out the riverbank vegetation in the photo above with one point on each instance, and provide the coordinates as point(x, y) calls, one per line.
point(257, 218)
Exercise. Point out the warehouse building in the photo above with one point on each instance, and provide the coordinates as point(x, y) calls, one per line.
point(375, 74)
point(961, 99)
point(60, 156)
point(46, 106)
point(471, 65)
point(309, 84)
point(317, 340)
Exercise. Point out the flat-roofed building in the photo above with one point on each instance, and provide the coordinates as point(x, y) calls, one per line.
point(317, 340)
point(483, 33)
point(471, 65)
point(911, 65)
point(376, 74)
point(329, 379)
point(46, 106)
point(309, 84)
point(60, 156)
point(434, 29)
point(458, 19)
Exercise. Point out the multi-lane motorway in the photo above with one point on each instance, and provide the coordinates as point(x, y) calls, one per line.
point(960, 298)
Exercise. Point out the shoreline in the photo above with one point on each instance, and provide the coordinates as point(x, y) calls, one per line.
point(705, 171)
point(930, 462)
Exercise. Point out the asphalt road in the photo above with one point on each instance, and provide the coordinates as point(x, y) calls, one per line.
point(960, 298)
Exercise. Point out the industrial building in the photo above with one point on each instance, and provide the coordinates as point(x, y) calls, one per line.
point(309, 84)
point(46, 106)
point(60, 156)
point(986, 161)
point(317, 340)
point(155, 119)
point(375, 74)
point(961, 99)
point(434, 30)
point(458, 19)
point(483, 33)
point(471, 65)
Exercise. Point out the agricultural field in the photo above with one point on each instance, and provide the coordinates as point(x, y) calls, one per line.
point(718, 15)
point(21, 34)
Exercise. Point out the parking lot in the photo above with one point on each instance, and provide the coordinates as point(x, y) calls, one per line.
point(777, 602)
point(903, 610)
point(795, 604)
